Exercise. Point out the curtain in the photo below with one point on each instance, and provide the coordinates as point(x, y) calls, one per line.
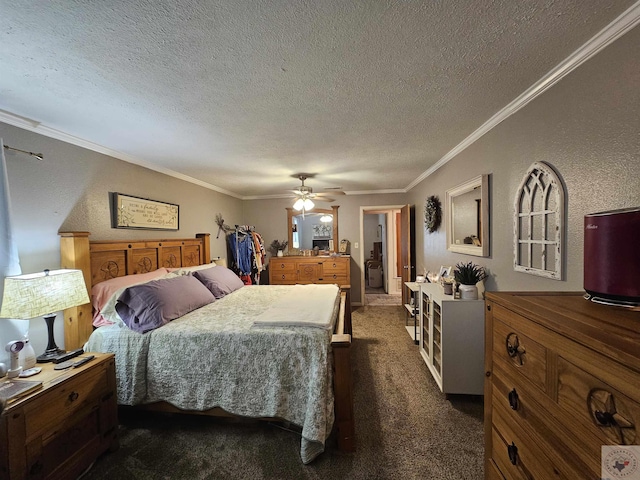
point(9, 261)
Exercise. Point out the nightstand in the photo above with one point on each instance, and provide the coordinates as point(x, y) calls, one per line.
point(60, 429)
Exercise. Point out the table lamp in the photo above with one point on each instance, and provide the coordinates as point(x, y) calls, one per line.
point(43, 294)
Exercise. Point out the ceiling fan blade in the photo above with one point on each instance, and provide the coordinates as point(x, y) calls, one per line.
point(322, 194)
point(334, 191)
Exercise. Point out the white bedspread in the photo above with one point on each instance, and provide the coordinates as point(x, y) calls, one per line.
point(307, 308)
point(215, 357)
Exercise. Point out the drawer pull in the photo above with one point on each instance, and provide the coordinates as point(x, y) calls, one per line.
point(513, 399)
point(606, 415)
point(514, 349)
point(604, 419)
point(512, 450)
point(73, 396)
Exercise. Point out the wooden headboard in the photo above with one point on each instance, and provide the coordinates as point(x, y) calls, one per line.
point(103, 260)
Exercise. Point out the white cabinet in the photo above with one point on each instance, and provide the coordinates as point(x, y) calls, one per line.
point(452, 340)
point(412, 310)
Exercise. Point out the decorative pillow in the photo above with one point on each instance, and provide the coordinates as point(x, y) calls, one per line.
point(188, 270)
point(109, 313)
point(148, 306)
point(220, 280)
point(102, 292)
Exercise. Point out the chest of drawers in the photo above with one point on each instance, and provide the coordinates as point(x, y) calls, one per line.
point(562, 380)
point(318, 269)
point(59, 430)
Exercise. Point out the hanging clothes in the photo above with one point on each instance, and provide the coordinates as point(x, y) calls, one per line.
point(241, 246)
point(248, 253)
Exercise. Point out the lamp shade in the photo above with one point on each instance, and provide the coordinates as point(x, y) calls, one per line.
point(37, 294)
point(298, 204)
point(308, 204)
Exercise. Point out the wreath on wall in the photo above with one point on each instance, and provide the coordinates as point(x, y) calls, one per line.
point(432, 213)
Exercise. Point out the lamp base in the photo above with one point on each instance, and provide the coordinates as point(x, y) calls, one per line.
point(52, 352)
point(50, 355)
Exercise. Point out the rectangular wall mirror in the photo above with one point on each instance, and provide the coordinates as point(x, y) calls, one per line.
point(467, 217)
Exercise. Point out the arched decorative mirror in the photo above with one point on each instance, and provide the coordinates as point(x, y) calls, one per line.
point(467, 216)
point(312, 229)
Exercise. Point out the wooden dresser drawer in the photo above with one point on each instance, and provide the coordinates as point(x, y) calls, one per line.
point(282, 267)
point(283, 278)
point(611, 414)
point(63, 401)
point(516, 351)
point(519, 408)
point(517, 452)
point(334, 267)
point(334, 278)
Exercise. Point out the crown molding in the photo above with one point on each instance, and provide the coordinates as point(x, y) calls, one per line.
point(37, 127)
point(628, 20)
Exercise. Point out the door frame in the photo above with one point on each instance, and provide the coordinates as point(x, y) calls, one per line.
point(388, 210)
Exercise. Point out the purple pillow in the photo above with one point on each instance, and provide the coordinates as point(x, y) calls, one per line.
point(150, 305)
point(220, 280)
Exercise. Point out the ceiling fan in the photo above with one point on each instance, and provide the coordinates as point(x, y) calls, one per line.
point(304, 194)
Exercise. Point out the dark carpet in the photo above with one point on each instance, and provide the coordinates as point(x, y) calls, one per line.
point(405, 427)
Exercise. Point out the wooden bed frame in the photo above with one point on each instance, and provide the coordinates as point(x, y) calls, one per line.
point(103, 260)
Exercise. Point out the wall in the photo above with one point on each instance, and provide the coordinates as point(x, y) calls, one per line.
point(69, 191)
point(587, 127)
point(270, 220)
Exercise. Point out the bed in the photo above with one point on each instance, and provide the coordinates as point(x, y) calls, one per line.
point(235, 359)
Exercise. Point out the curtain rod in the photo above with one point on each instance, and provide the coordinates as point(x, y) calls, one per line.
point(39, 156)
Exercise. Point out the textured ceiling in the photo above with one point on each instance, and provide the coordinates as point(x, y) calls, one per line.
point(367, 95)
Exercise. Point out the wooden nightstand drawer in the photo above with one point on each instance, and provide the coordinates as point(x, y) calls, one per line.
point(64, 400)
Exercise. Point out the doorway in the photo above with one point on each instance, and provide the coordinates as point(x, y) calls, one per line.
point(381, 274)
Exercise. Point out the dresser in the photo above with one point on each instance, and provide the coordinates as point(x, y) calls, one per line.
point(452, 340)
point(562, 380)
point(60, 429)
point(316, 269)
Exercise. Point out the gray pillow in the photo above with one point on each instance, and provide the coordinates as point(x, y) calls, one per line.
point(150, 305)
point(220, 280)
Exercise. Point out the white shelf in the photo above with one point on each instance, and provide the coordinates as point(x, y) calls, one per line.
point(455, 354)
point(411, 332)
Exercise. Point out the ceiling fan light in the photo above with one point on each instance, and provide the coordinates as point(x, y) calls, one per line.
point(326, 218)
point(308, 204)
point(299, 204)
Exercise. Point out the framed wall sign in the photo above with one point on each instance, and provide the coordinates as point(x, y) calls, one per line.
point(128, 211)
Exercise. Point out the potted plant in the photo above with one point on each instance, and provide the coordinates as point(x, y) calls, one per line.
point(277, 247)
point(468, 275)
